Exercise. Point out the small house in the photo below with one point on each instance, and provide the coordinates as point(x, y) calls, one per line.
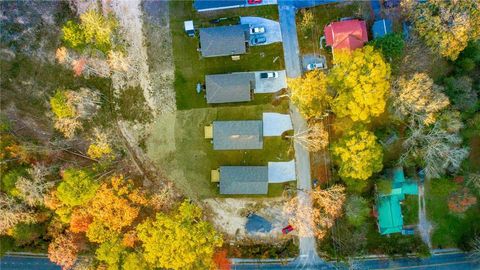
point(224, 40)
point(237, 135)
point(233, 87)
point(243, 179)
point(390, 219)
point(346, 35)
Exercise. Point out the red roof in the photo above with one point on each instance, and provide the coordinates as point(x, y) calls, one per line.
point(350, 34)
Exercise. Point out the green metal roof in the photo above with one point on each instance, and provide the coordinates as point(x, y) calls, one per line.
point(390, 218)
point(390, 215)
point(243, 180)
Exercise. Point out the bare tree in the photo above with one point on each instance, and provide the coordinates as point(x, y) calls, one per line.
point(314, 139)
point(473, 180)
point(13, 212)
point(476, 248)
point(33, 189)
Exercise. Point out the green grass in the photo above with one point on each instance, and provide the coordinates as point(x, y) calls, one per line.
point(191, 69)
point(196, 156)
point(450, 230)
point(410, 210)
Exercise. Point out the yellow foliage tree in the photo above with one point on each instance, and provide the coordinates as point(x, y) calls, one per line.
point(446, 26)
point(418, 98)
point(358, 155)
point(361, 80)
point(98, 29)
point(310, 94)
point(181, 240)
point(100, 147)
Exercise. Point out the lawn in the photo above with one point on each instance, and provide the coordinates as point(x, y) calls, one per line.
point(410, 210)
point(450, 230)
point(191, 68)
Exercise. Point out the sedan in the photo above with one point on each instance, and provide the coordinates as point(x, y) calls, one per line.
point(268, 75)
point(257, 30)
point(259, 40)
point(314, 66)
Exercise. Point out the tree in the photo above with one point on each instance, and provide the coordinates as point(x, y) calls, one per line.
point(73, 35)
point(438, 147)
point(361, 80)
point(33, 189)
point(100, 147)
point(391, 46)
point(461, 200)
point(473, 180)
point(181, 240)
point(418, 98)
point(314, 139)
point(98, 29)
point(358, 155)
point(134, 261)
point(446, 26)
point(461, 92)
point(98, 232)
point(476, 248)
point(27, 233)
point(222, 262)
point(356, 210)
point(13, 212)
point(111, 252)
point(80, 220)
point(76, 188)
point(307, 22)
point(61, 106)
point(310, 94)
point(63, 250)
point(315, 220)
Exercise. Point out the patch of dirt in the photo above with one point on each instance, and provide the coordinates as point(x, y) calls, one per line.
point(229, 216)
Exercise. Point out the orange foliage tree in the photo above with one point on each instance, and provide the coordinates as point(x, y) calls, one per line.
point(63, 250)
point(221, 260)
point(460, 201)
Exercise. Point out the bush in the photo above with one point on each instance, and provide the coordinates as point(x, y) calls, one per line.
point(27, 233)
point(7, 243)
point(356, 210)
point(384, 186)
point(391, 46)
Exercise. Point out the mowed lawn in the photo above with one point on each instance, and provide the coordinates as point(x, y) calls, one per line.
point(190, 162)
point(191, 68)
point(195, 155)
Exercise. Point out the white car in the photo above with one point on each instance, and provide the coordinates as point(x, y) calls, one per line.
point(257, 30)
point(268, 75)
point(314, 66)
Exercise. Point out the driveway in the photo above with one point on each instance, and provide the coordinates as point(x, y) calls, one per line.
point(270, 85)
point(275, 124)
point(272, 29)
point(280, 172)
point(312, 59)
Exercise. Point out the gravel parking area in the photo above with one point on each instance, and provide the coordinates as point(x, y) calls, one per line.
point(270, 85)
point(272, 29)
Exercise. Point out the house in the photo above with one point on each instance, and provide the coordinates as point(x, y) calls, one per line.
point(224, 40)
point(210, 5)
point(233, 87)
point(235, 135)
point(346, 35)
point(390, 219)
point(243, 180)
point(381, 28)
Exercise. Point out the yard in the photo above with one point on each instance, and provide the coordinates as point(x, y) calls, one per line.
point(192, 158)
point(191, 69)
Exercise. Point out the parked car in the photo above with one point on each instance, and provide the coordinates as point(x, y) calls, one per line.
point(268, 75)
point(314, 66)
point(257, 30)
point(258, 40)
point(253, 2)
point(287, 229)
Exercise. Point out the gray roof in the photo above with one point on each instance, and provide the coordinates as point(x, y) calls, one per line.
point(203, 5)
point(223, 40)
point(234, 135)
point(243, 180)
point(233, 87)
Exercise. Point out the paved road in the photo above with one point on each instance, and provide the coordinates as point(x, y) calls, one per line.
point(27, 263)
point(291, 49)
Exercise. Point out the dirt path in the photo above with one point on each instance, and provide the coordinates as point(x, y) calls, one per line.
point(424, 226)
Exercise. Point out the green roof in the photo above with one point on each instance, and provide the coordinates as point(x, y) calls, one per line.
point(389, 215)
point(243, 180)
point(390, 218)
point(236, 135)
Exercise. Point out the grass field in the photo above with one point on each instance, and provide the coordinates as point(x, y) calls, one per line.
point(410, 210)
point(191, 69)
point(450, 229)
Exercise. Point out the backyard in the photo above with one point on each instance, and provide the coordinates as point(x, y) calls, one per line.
point(192, 158)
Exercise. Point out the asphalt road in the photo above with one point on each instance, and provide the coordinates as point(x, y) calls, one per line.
point(291, 49)
point(27, 263)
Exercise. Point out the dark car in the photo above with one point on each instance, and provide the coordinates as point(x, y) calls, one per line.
point(259, 40)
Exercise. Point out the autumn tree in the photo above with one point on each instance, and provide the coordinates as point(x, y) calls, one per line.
point(64, 249)
point(361, 81)
point(326, 207)
point(307, 23)
point(77, 187)
point(222, 262)
point(111, 252)
point(33, 189)
point(418, 99)
point(13, 212)
point(134, 261)
point(314, 138)
point(391, 46)
point(438, 147)
point(358, 154)
point(446, 26)
point(99, 148)
point(356, 210)
point(310, 94)
point(461, 200)
point(80, 220)
point(181, 240)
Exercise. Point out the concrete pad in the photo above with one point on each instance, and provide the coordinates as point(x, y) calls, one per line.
point(275, 124)
point(272, 29)
point(270, 85)
point(280, 172)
